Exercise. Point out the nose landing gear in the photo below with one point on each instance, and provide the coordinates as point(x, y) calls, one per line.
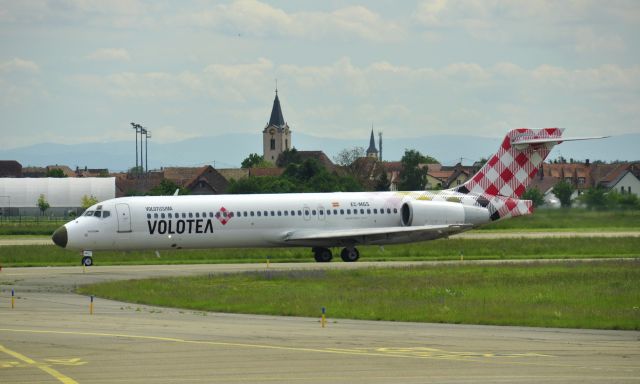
point(87, 260)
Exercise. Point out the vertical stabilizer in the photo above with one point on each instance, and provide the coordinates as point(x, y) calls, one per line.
point(510, 170)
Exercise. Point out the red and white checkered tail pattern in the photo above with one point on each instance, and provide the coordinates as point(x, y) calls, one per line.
point(506, 175)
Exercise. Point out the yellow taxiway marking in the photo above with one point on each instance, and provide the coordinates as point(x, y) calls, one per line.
point(43, 367)
point(406, 353)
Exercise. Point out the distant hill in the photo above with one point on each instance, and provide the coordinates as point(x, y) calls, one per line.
point(228, 151)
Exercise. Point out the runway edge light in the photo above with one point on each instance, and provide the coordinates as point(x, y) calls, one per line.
point(323, 320)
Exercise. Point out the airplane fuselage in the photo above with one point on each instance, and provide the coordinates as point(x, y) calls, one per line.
point(181, 222)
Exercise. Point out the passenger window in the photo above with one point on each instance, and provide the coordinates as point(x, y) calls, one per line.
point(97, 214)
point(106, 214)
point(245, 213)
point(251, 213)
point(162, 215)
point(293, 213)
point(375, 210)
point(395, 210)
point(155, 215)
point(348, 211)
point(279, 213)
point(362, 211)
point(335, 211)
point(224, 214)
point(321, 212)
point(388, 210)
point(259, 213)
point(368, 211)
point(197, 214)
point(286, 213)
point(148, 215)
point(299, 213)
point(328, 212)
point(266, 213)
point(169, 215)
point(306, 213)
point(190, 215)
point(342, 211)
point(204, 215)
point(217, 215)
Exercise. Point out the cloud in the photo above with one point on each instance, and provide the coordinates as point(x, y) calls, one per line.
point(109, 54)
point(589, 25)
point(19, 65)
point(255, 18)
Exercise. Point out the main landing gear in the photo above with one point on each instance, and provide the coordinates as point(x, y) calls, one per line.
point(323, 255)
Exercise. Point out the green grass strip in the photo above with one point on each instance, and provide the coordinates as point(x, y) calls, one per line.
point(602, 295)
point(444, 249)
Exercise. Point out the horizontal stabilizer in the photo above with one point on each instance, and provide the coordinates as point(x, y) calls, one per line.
point(523, 141)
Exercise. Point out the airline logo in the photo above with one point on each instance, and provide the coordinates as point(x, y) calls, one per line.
point(224, 216)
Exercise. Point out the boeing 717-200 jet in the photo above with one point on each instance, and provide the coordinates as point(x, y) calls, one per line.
point(318, 220)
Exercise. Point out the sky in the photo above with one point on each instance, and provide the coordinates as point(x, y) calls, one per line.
point(79, 71)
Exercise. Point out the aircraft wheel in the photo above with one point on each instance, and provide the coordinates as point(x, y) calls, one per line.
point(322, 255)
point(350, 254)
point(87, 261)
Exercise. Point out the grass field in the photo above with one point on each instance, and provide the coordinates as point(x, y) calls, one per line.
point(602, 295)
point(444, 249)
point(570, 219)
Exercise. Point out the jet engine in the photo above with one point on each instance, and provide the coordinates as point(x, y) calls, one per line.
point(418, 213)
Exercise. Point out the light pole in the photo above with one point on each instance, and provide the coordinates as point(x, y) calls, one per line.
point(146, 149)
point(137, 128)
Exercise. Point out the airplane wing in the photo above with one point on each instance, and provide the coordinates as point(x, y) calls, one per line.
point(372, 236)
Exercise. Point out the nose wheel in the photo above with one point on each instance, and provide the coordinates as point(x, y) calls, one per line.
point(87, 260)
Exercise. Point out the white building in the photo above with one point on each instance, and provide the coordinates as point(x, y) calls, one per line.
point(19, 196)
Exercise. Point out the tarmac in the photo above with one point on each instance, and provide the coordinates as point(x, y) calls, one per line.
point(50, 336)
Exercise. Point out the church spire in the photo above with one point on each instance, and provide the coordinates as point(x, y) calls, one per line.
point(372, 151)
point(276, 113)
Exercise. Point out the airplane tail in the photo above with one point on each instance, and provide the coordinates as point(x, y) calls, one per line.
point(505, 176)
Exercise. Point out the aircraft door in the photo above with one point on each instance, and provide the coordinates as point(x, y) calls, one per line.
point(306, 213)
point(124, 217)
point(321, 213)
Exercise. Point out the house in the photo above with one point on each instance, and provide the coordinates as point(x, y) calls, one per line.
point(10, 168)
point(65, 170)
point(34, 172)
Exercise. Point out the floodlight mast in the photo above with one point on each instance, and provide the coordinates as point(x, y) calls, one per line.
point(146, 149)
point(136, 127)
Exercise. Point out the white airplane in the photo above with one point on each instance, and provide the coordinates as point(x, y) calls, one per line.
point(317, 220)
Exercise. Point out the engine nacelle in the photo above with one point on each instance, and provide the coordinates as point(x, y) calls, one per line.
point(418, 213)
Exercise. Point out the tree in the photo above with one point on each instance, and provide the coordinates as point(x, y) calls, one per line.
point(534, 195)
point(167, 188)
point(43, 204)
point(290, 156)
point(87, 201)
point(56, 172)
point(382, 183)
point(255, 161)
point(348, 156)
point(594, 198)
point(136, 171)
point(412, 177)
point(563, 192)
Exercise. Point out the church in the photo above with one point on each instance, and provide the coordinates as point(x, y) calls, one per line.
point(276, 136)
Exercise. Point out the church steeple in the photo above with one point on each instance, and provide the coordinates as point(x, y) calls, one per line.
point(372, 151)
point(276, 113)
point(276, 136)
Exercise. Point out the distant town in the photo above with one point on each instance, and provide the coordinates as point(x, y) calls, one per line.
point(281, 168)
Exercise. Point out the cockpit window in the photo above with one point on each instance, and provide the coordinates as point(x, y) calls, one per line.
point(88, 213)
point(105, 214)
point(97, 214)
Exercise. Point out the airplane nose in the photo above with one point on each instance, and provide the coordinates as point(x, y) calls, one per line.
point(60, 237)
